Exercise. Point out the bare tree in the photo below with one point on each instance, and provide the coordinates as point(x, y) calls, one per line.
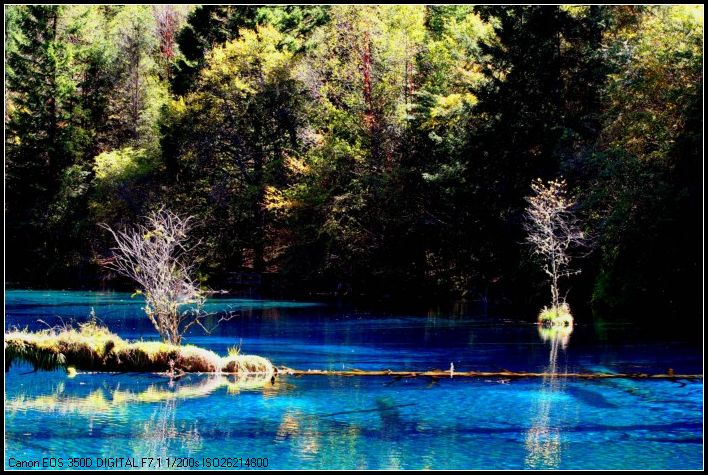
point(167, 20)
point(157, 257)
point(552, 230)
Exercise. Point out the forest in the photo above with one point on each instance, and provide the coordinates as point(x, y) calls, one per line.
point(362, 151)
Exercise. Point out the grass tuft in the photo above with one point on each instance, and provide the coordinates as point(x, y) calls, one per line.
point(234, 350)
point(246, 364)
point(556, 316)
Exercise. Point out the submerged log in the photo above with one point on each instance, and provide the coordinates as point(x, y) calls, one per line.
point(481, 374)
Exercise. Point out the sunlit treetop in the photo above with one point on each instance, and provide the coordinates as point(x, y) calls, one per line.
point(242, 64)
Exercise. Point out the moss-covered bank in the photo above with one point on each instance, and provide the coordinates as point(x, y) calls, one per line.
point(91, 347)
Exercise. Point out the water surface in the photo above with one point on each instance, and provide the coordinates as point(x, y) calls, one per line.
point(364, 422)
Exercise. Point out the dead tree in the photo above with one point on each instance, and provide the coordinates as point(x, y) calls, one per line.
point(552, 230)
point(157, 257)
point(167, 22)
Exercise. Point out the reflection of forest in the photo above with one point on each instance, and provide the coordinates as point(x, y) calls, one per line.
point(543, 440)
point(163, 432)
point(107, 400)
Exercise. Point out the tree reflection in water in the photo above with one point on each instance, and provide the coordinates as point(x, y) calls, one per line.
point(160, 433)
point(543, 440)
point(324, 437)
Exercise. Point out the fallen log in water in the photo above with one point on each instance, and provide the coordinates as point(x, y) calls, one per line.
point(94, 348)
point(480, 374)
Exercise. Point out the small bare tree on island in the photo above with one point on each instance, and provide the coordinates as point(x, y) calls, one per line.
point(157, 257)
point(553, 230)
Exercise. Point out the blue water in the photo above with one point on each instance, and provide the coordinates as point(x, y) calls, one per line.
point(363, 422)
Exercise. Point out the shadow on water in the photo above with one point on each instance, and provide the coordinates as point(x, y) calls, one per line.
point(387, 410)
point(317, 437)
point(590, 398)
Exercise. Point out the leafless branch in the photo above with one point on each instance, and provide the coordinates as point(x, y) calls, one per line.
point(552, 230)
point(158, 257)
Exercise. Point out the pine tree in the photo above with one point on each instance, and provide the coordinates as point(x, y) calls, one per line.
point(42, 137)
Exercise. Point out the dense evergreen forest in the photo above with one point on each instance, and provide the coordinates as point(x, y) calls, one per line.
point(362, 150)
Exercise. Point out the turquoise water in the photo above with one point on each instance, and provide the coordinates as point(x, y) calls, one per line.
point(362, 422)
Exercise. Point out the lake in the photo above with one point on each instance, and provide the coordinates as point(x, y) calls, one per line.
point(361, 422)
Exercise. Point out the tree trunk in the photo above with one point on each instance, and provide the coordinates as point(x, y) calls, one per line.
point(53, 119)
point(259, 238)
point(259, 204)
point(371, 113)
point(554, 284)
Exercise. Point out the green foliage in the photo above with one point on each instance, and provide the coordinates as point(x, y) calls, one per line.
point(232, 135)
point(140, 93)
point(645, 190)
point(380, 150)
point(211, 25)
point(360, 71)
point(121, 165)
point(664, 55)
point(123, 184)
point(44, 134)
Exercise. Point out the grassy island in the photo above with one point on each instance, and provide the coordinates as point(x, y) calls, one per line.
point(92, 347)
point(556, 316)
